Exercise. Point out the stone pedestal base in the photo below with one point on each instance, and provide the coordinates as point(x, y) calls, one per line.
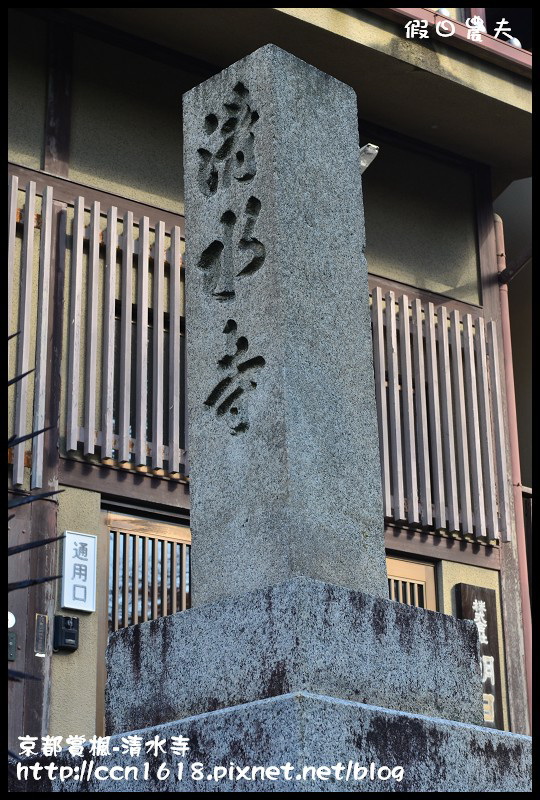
point(303, 742)
point(302, 635)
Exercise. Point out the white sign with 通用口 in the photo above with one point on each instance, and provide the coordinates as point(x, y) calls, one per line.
point(79, 571)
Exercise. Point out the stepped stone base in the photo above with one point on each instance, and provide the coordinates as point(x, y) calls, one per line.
point(338, 741)
point(301, 635)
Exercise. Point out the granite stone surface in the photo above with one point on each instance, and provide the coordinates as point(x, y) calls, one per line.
point(341, 743)
point(293, 672)
point(300, 635)
point(283, 437)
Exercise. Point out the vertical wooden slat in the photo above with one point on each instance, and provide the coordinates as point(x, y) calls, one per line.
point(421, 414)
point(157, 377)
point(465, 504)
point(486, 441)
point(396, 454)
point(174, 352)
point(500, 427)
point(142, 343)
point(12, 233)
point(183, 582)
point(74, 346)
point(107, 381)
point(447, 416)
point(116, 581)
point(23, 342)
point(164, 571)
point(380, 392)
point(471, 399)
point(155, 578)
point(135, 580)
point(42, 337)
point(125, 340)
point(145, 544)
point(435, 420)
point(91, 333)
point(174, 577)
point(126, 581)
point(409, 438)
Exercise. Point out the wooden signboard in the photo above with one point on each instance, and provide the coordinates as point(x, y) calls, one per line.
point(479, 604)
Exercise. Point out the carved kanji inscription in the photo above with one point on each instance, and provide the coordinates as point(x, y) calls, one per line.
point(236, 253)
point(229, 397)
point(229, 151)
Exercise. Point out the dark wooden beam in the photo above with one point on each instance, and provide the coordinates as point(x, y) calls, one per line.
point(433, 546)
point(66, 191)
point(117, 483)
point(19, 570)
point(41, 600)
point(58, 111)
point(30, 700)
point(510, 585)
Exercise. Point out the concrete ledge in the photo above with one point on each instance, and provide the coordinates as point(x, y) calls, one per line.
point(306, 730)
point(301, 635)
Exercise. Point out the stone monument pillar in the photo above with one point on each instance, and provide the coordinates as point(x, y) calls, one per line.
point(284, 459)
point(292, 657)
point(291, 633)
